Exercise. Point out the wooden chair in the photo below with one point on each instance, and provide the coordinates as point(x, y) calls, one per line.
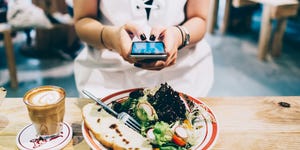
point(279, 10)
point(6, 30)
point(49, 6)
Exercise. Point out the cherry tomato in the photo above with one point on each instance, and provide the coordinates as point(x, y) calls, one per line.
point(179, 141)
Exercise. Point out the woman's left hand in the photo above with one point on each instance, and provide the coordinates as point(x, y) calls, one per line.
point(171, 37)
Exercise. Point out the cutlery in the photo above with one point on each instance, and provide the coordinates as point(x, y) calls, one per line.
point(123, 116)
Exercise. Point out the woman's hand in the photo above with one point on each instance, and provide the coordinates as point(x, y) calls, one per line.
point(171, 37)
point(121, 39)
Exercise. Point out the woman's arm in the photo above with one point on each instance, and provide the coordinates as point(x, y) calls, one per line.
point(87, 27)
point(196, 18)
point(93, 32)
point(100, 36)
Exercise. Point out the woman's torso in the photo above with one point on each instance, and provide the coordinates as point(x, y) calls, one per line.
point(101, 65)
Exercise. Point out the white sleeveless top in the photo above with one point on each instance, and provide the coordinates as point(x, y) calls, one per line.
point(103, 72)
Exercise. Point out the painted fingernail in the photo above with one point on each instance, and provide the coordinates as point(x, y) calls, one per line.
point(161, 37)
point(152, 37)
point(143, 37)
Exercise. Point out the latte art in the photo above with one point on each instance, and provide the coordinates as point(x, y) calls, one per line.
point(46, 98)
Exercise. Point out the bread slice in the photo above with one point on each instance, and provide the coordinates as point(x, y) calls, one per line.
point(111, 132)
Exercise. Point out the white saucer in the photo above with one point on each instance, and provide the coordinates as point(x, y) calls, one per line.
point(27, 139)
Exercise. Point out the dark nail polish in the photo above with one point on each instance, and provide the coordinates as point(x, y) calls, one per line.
point(152, 37)
point(161, 37)
point(143, 37)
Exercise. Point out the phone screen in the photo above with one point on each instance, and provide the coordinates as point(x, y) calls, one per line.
point(148, 50)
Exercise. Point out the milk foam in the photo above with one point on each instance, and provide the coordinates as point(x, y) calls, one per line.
point(45, 98)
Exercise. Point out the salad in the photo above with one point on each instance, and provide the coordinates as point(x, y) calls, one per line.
point(166, 120)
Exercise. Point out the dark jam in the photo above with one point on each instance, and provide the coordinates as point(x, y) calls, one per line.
point(113, 126)
point(125, 141)
point(39, 141)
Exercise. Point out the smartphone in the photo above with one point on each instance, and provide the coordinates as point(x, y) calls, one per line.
point(148, 50)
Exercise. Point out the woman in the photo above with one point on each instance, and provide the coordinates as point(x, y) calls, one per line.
point(105, 66)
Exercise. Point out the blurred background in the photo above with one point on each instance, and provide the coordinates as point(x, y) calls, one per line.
point(255, 44)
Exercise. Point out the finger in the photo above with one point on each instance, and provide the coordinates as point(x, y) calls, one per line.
point(149, 68)
point(151, 65)
point(127, 58)
point(124, 45)
point(135, 30)
point(156, 69)
point(156, 32)
point(172, 61)
point(170, 50)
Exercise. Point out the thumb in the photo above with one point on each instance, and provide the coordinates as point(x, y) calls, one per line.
point(135, 30)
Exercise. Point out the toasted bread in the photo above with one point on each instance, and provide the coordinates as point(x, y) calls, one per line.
point(111, 132)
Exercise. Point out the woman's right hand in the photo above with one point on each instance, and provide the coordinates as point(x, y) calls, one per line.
point(120, 39)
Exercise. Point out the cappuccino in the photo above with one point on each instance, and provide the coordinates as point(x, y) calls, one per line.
point(46, 109)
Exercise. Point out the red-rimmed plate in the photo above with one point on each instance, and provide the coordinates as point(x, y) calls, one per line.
point(207, 134)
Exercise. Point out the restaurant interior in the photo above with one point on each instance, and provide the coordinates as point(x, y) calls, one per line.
point(240, 38)
point(253, 103)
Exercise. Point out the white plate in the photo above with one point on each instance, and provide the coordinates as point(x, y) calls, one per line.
point(208, 133)
point(27, 139)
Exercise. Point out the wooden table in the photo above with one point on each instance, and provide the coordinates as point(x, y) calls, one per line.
point(244, 122)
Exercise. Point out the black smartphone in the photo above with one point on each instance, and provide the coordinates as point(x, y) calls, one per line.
point(148, 50)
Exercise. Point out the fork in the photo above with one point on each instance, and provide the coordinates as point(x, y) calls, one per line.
point(123, 116)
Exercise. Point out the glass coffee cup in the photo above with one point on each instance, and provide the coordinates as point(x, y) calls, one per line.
point(46, 109)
